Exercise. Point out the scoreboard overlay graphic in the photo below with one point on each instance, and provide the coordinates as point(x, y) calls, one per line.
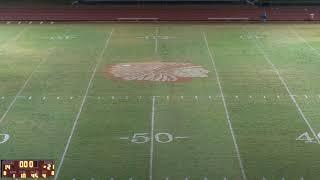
point(27, 168)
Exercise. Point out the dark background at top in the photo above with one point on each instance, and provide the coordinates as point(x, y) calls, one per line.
point(36, 3)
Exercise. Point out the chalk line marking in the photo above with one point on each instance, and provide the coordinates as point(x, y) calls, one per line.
point(304, 41)
point(152, 138)
point(23, 87)
point(15, 38)
point(276, 70)
point(244, 177)
point(124, 138)
point(181, 137)
point(99, 59)
point(156, 41)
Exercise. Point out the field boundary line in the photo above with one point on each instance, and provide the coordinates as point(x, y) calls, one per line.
point(264, 54)
point(24, 86)
point(226, 109)
point(152, 138)
point(99, 59)
point(304, 40)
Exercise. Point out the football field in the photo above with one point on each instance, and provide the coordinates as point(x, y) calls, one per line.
point(156, 101)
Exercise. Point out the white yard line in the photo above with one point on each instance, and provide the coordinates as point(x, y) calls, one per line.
point(287, 88)
point(156, 41)
point(244, 177)
point(82, 104)
point(152, 138)
point(22, 88)
point(304, 40)
point(15, 37)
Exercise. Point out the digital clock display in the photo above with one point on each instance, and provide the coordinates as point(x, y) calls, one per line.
point(27, 168)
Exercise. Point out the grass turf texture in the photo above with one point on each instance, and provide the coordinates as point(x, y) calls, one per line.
point(265, 126)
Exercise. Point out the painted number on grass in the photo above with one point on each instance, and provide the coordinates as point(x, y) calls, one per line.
point(306, 138)
point(141, 138)
point(4, 138)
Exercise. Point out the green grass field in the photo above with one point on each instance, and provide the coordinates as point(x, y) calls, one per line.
point(255, 117)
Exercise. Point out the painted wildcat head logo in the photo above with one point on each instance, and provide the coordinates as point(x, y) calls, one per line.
point(157, 71)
